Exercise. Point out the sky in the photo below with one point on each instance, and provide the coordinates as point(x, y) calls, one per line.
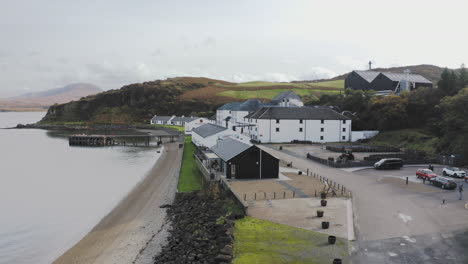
point(110, 43)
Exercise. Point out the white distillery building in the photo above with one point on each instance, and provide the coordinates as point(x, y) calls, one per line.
point(287, 124)
point(161, 120)
point(208, 135)
point(287, 98)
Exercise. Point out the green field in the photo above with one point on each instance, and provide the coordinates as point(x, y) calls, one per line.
point(259, 241)
point(269, 94)
point(414, 139)
point(338, 84)
point(190, 178)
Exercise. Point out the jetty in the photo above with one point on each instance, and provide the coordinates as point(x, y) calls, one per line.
point(121, 140)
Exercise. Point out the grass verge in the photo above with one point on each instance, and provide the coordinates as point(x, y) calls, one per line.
point(269, 94)
point(415, 139)
point(190, 178)
point(178, 128)
point(260, 241)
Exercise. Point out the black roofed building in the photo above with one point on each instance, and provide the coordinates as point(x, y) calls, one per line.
point(242, 160)
point(298, 124)
point(385, 82)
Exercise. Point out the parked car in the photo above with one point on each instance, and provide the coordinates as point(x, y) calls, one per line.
point(425, 173)
point(444, 183)
point(453, 172)
point(389, 163)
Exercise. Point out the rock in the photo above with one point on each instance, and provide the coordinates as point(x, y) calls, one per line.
point(222, 258)
point(227, 250)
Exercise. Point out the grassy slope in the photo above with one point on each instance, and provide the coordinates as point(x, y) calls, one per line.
point(190, 178)
point(407, 138)
point(259, 241)
point(302, 89)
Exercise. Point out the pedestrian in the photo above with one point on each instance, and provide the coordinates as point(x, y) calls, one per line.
point(460, 190)
point(424, 180)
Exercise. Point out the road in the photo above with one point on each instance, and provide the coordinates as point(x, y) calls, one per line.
point(393, 223)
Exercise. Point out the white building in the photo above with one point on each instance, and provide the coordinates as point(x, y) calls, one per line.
point(208, 135)
point(287, 124)
point(224, 114)
point(287, 99)
point(181, 120)
point(161, 120)
point(189, 126)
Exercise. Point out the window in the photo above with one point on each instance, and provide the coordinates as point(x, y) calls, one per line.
point(300, 129)
point(321, 137)
point(343, 137)
point(277, 129)
point(255, 129)
point(344, 121)
point(277, 121)
point(322, 121)
point(344, 129)
point(322, 129)
point(300, 121)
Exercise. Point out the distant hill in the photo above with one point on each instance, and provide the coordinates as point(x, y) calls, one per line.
point(42, 100)
point(137, 103)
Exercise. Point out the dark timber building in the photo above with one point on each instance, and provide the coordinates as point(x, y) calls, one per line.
point(385, 82)
point(241, 160)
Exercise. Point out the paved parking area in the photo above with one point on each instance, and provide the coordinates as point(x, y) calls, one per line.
point(301, 213)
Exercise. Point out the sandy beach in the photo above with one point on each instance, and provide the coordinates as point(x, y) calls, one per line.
point(134, 230)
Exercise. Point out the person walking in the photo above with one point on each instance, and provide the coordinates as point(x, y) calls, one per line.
point(460, 190)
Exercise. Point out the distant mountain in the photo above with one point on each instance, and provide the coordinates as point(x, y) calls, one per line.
point(42, 100)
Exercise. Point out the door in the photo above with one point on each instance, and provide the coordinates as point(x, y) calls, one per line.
point(233, 170)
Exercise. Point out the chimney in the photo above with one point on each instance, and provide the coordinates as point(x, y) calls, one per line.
point(370, 65)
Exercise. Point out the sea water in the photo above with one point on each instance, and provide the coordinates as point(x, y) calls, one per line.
point(51, 194)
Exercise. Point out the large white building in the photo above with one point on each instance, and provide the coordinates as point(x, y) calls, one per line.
point(287, 124)
point(189, 126)
point(288, 99)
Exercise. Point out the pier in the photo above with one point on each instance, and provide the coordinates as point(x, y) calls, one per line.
point(121, 140)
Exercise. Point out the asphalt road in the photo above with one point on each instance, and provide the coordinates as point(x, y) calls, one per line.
point(395, 223)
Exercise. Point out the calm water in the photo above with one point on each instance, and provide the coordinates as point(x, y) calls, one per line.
point(51, 194)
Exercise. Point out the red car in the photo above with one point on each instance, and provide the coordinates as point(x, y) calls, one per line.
point(425, 173)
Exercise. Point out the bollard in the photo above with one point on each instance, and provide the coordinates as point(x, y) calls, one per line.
point(307, 172)
point(245, 196)
point(255, 197)
point(284, 195)
point(406, 180)
point(294, 194)
point(264, 196)
point(274, 196)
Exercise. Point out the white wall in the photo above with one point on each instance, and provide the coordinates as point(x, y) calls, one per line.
point(357, 135)
point(311, 130)
point(221, 115)
point(213, 139)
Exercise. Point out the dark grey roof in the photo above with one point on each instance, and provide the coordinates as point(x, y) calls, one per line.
point(397, 77)
point(228, 148)
point(161, 118)
point(369, 76)
point(249, 105)
point(285, 95)
point(230, 106)
point(306, 113)
point(208, 130)
point(184, 118)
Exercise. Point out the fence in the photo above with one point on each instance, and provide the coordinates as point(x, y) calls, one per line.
point(361, 148)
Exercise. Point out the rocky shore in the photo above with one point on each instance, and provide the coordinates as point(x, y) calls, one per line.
point(202, 230)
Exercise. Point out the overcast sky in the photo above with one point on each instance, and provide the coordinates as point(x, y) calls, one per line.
point(51, 43)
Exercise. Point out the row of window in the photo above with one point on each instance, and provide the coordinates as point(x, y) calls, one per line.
point(301, 121)
point(301, 130)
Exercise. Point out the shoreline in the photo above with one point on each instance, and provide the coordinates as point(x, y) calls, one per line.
point(134, 231)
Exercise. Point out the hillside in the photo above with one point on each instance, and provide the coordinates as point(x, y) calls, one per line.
point(44, 99)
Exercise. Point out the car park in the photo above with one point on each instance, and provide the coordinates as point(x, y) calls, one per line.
point(389, 163)
point(453, 172)
point(444, 183)
point(425, 174)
